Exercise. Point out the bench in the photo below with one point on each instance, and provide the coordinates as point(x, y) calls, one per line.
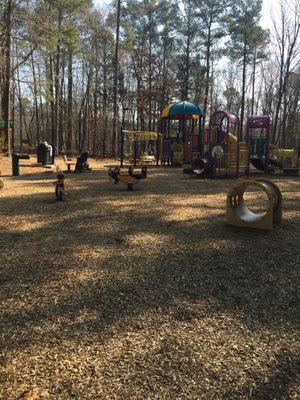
point(68, 163)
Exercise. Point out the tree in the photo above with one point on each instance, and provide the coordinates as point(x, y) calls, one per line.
point(211, 14)
point(7, 29)
point(116, 76)
point(245, 36)
point(287, 34)
point(188, 31)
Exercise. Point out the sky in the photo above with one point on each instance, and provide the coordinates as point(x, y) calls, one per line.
point(266, 20)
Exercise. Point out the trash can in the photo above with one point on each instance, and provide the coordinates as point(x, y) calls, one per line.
point(15, 162)
point(44, 152)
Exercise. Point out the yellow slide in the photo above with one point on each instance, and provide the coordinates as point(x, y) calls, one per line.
point(232, 143)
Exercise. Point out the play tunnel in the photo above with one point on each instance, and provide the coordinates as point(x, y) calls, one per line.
point(238, 212)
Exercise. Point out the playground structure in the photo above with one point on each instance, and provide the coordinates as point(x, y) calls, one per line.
point(220, 151)
point(224, 153)
point(129, 179)
point(237, 212)
point(213, 152)
point(258, 137)
point(140, 147)
point(263, 155)
point(182, 133)
point(288, 161)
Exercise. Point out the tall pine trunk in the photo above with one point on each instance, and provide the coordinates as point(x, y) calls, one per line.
point(69, 141)
point(7, 75)
point(207, 61)
point(37, 114)
point(116, 74)
point(243, 88)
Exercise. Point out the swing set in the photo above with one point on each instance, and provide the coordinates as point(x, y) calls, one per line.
point(140, 147)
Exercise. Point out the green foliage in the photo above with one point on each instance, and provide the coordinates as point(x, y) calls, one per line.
point(245, 33)
point(63, 22)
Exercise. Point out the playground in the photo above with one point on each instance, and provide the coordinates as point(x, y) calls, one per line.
point(145, 293)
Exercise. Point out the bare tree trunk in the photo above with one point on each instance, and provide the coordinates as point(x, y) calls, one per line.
point(7, 76)
point(187, 60)
point(243, 88)
point(116, 73)
point(57, 81)
point(104, 106)
point(70, 101)
point(35, 100)
point(41, 106)
point(20, 109)
point(61, 108)
point(207, 60)
point(253, 83)
point(52, 103)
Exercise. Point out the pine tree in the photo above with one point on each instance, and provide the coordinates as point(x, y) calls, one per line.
point(245, 36)
point(211, 15)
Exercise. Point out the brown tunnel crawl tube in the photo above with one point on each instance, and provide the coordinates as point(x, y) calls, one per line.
point(237, 212)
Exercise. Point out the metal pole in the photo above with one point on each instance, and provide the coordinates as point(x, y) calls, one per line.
point(157, 149)
point(121, 147)
point(238, 153)
point(249, 148)
point(200, 135)
point(134, 152)
point(267, 148)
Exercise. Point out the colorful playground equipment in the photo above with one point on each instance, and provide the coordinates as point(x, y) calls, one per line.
point(140, 147)
point(218, 151)
point(258, 136)
point(182, 133)
point(221, 153)
point(288, 161)
point(237, 212)
point(264, 156)
point(226, 154)
point(129, 179)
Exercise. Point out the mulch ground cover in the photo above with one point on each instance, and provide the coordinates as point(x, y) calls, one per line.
point(144, 294)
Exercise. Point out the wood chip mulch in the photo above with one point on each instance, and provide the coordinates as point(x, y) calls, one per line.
point(144, 294)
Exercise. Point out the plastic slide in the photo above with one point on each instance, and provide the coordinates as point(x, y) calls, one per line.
point(259, 163)
point(202, 166)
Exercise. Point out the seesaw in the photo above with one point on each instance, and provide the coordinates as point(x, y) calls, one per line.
point(129, 179)
point(237, 212)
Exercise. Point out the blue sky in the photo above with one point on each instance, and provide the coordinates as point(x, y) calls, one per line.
point(266, 20)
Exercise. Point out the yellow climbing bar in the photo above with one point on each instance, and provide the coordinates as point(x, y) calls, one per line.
point(142, 135)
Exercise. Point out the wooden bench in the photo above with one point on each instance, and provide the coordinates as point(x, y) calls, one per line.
point(68, 163)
